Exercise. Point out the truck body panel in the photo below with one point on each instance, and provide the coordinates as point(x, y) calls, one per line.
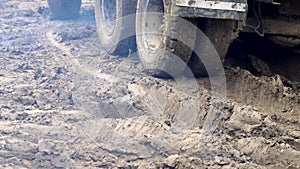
point(226, 9)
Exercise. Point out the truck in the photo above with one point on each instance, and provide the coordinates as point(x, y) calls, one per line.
point(220, 20)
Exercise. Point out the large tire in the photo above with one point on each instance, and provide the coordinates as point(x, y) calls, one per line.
point(112, 27)
point(64, 9)
point(159, 52)
point(221, 34)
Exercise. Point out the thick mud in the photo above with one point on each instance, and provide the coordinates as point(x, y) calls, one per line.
point(65, 103)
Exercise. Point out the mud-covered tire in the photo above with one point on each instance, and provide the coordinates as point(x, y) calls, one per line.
point(64, 9)
point(221, 34)
point(160, 51)
point(112, 27)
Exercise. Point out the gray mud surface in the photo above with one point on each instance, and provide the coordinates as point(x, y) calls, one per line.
point(65, 103)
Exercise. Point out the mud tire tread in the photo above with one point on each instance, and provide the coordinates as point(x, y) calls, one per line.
point(171, 46)
point(221, 34)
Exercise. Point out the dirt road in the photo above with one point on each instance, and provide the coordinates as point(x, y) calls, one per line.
point(65, 103)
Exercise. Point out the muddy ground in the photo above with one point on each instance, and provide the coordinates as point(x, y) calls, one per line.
point(65, 103)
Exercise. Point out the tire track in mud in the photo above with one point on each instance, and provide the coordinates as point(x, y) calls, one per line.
point(106, 139)
point(67, 56)
point(160, 134)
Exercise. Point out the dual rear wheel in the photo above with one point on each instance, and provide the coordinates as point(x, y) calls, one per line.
point(156, 34)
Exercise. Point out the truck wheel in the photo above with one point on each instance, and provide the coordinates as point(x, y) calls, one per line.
point(160, 50)
point(111, 26)
point(221, 34)
point(64, 9)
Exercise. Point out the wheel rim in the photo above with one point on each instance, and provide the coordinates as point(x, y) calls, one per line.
point(152, 23)
point(109, 14)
